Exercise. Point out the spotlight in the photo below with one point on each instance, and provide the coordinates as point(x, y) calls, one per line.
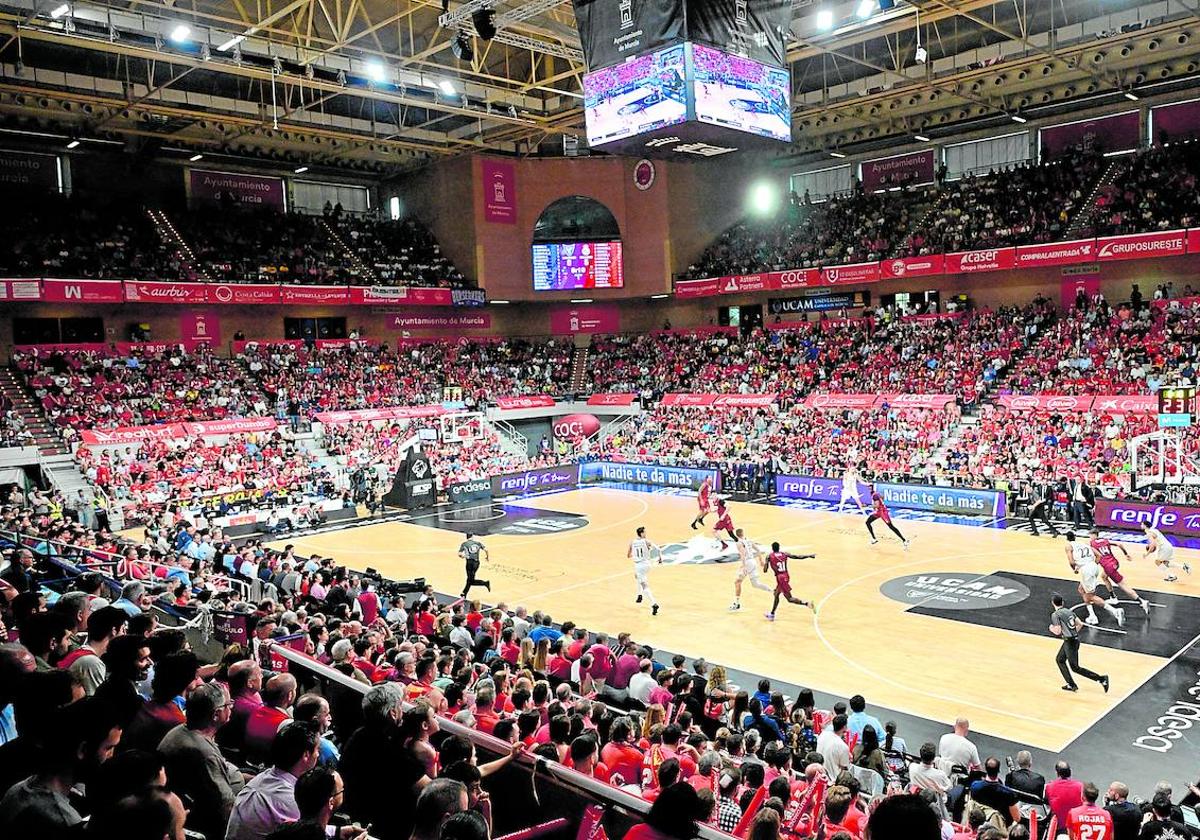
point(446, 87)
point(922, 55)
point(1131, 96)
point(300, 170)
point(866, 8)
point(921, 138)
point(376, 72)
point(764, 198)
point(180, 33)
point(485, 25)
point(1017, 118)
point(195, 157)
point(825, 19)
point(837, 154)
point(73, 143)
point(460, 47)
point(59, 11)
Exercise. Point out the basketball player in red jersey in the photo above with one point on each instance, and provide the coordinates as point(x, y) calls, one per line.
point(777, 562)
point(703, 501)
point(1089, 821)
point(881, 512)
point(1108, 562)
point(724, 523)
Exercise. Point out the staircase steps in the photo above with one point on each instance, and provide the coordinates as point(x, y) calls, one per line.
point(579, 381)
point(45, 437)
point(169, 234)
point(364, 270)
point(1085, 214)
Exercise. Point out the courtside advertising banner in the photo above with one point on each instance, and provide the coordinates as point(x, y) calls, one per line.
point(944, 499)
point(611, 399)
point(655, 474)
point(533, 481)
point(808, 487)
point(1178, 520)
point(475, 490)
point(83, 291)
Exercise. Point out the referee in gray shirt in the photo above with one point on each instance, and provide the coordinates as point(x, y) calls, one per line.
point(470, 551)
point(1065, 624)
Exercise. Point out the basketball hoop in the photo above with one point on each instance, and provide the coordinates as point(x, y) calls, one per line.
point(1159, 458)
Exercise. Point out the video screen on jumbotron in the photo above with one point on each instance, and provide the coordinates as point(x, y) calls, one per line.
point(559, 266)
point(642, 94)
point(741, 94)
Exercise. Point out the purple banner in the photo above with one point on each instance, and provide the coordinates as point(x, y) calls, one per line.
point(499, 192)
point(1118, 133)
point(547, 478)
point(898, 170)
point(808, 487)
point(1180, 121)
point(28, 170)
point(1180, 520)
point(235, 188)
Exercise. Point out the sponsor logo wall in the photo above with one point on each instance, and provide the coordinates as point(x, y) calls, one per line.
point(66, 290)
point(655, 474)
point(473, 321)
point(576, 426)
point(1116, 404)
point(1104, 249)
point(518, 403)
point(1178, 520)
point(476, 490)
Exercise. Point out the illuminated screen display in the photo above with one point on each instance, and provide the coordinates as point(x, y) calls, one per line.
point(741, 94)
point(642, 94)
point(577, 265)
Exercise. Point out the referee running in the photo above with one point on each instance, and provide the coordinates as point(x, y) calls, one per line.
point(1065, 624)
point(470, 551)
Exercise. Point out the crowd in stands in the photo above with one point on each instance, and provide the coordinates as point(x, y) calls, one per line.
point(57, 236)
point(1026, 204)
point(400, 253)
point(106, 714)
point(158, 471)
point(1154, 190)
point(854, 228)
point(69, 237)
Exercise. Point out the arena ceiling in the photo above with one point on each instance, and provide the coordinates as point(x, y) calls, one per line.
point(374, 84)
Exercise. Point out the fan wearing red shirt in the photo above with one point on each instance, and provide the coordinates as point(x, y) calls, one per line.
point(882, 513)
point(777, 562)
point(703, 501)
point(603, 661)
point(585, 758)
point(622, 758)
point(1064, 793)
point(1089, 821)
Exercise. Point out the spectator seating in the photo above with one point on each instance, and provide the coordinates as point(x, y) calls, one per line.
point(1154, 190)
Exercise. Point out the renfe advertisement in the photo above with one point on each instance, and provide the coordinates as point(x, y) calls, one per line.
point(1179, 520)
point(561, 266)
point(531, 481)
point(660, 476)
point(912, 496)
point(642, 94)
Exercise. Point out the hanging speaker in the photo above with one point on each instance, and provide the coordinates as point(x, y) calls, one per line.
point(484, 23)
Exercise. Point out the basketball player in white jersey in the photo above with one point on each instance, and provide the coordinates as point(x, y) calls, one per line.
point(1162, 550)
point(748, 558)
point(1082, 558)
point(640, 550)
point(850, 489)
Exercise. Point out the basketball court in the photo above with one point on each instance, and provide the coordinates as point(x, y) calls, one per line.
point(954, 626)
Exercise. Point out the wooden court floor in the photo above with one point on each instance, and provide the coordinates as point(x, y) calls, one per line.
point(1003, 678)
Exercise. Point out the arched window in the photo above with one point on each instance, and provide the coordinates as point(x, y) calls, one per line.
point(576, 218)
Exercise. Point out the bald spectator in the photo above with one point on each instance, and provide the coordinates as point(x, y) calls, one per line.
point(957, 748)
point(278, 695)
point(1024, 779)
point(245, 683)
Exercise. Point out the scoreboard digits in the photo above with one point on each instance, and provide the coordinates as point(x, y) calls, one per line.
point(1176, 406)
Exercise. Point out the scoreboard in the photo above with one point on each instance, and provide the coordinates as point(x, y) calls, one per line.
point(1176, 406)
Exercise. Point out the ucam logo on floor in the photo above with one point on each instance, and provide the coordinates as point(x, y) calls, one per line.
point(955, 590)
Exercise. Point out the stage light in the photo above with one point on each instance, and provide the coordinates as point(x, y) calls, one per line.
point(581, 300)
point(825, 19)
point(300, 170)
point(59, 11)
point(460, 48)
point(921, 138)
point(1017, 118)
point(376, 72)
point(73, 144)
point(446, 87)
point(1131, 96)
point(195, 157)
point(764, 198)
point(837, 154)
point(180, 33)
point(485, 25)
point(866, 8)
